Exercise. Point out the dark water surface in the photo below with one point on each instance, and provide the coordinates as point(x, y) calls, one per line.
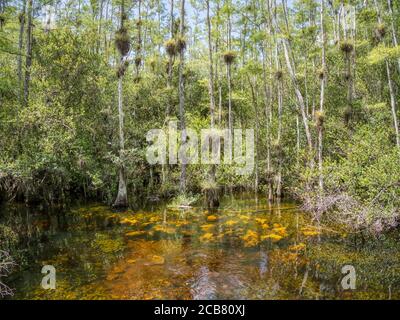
point(247, 249)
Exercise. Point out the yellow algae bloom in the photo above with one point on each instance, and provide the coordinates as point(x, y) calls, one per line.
point(135, 233)
point(164, 228)
point(280, 231)
point(157, 259)
point(265, 226)
point(261, 221)
point(130, 221)
point(272, 236)
point(206, 237)
point(206, 227)
point(211, 218)
point(297, 247)
point(181, 223)
point(250, 238)
point(309, 231)
point(230, 223)
point(277, 225)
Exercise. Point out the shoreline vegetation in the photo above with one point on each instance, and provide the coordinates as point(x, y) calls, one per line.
point(318, 82)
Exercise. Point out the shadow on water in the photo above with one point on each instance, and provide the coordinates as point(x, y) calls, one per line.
point(246, 249)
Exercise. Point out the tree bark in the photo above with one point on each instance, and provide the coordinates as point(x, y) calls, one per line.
point(392, 25)
point(322, 100)
point(20, 46)
point(122, 196)
point(28, 61)
point(300, 99)
point(393, 103)
point(182, 181)
point(279, 133)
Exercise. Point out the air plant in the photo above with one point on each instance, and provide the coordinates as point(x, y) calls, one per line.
point(319, 119)
point(229, 57)
point(278, 75)
point(380, 31)
point(180, 44)
point(321, 73)
point(122, 41)
point(170, 47)
point(138, 61)
point(123, 66)
point(2, 20)
point(346, 47)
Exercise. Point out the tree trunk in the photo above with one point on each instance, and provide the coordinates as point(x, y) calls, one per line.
point(279, 133)
point(182, 181)
point(138, 59)
point(20, 46)
point(122, 197)
point(300, 99)
point(212, 193)
point(170, 61)
point(392, 25)
point(322, 101)
point(393, 103)
point(228, 71)
point(28, 61)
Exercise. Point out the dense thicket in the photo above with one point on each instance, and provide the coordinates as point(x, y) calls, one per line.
point(317, 80)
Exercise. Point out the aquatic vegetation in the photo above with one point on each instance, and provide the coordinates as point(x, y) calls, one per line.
point(244, 217)
point(212, 218)
point(310, 231)
point(207, 237)
point(230, 223)
point(206, 227)
point(251, 238)
point(106, 244)
point(246, 256)
point(261, 221)
point(157, 260)
point(129, 221)
point(297, 247)
point(272, 236)
point(135, 233)
point(280, 231)
point(164, 228)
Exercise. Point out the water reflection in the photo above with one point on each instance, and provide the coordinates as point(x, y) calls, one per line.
point(247, 249)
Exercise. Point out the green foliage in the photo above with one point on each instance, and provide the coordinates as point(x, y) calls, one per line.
point(383, 53)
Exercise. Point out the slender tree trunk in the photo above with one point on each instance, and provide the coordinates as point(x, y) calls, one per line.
point(393, 103)
point(279, 133)
point(322, 101)
point(28, 61)
point(392, 25)
point(122, 196)
point(182, 182)
point(210, 70)
point(170, 61)
point(20, 47)
point(228, 71)
point(299, 95)
point(253, 90)
point(212, 192)
point(267, 105)
point(138, 60)
point(269, 101)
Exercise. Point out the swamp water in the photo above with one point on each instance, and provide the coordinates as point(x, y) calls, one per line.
point(246, 249)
